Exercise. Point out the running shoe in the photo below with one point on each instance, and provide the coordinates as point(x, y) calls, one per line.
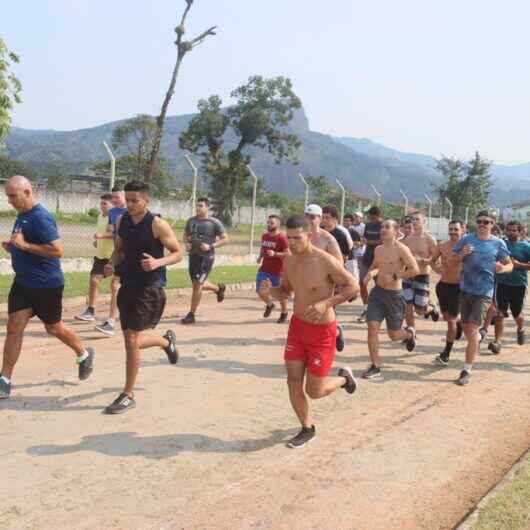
point(362, 318)
point(442, 360)
point(339, 341)
point(459, 330)
point(121, 404)
point(86, 316)
point(5, 388)
point(282, 319)
point(268, 310)
point(221, 292)
point(483, 332)
point(86, 367)
point(464, 378)
point(372, 372)
point(188, 319)
point(171, 350)
point(107, 328)
point(303, 437)
point(411, 343)
point(434, 314)
point(495, 347)
point(520, 337)
point(351, 384)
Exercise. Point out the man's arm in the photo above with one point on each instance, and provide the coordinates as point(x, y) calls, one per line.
point(53, 249)
point(222, 239)
point(283, 291)
point(410, 266)
point(521, 265)
point(504, 265)
point(333, 248)
point(163, 232)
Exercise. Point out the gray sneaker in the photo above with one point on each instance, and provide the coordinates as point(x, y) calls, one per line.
point(464, 379)
point(86, 316)
point(106, 328)
point(351, 384)
point(86, 367)
point(303, 437)
point(121, 404)
point(5, 389)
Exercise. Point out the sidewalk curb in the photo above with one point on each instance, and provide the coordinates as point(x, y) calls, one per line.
point(472, 516)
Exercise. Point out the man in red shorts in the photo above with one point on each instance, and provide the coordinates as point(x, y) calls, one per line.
point(311, 274)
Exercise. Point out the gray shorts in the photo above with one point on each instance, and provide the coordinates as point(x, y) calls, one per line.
point(473, 308)
point(384, 304)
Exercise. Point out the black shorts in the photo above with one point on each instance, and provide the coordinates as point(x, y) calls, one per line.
point(97, 266)
point(449, 298)
point(510, 297)
point(200, 267)
point(46, 303)
point(140, 307)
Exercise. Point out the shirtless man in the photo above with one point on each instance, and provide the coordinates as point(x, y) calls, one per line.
point(448, 288)
point(312, 275)
point(393, 262)
point(416, 290)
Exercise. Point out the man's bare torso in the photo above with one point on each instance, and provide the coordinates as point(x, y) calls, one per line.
point(421, 246)
point(389, 262)
point(451, 266)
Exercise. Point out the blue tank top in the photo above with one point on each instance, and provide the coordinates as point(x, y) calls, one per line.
point(137, 239)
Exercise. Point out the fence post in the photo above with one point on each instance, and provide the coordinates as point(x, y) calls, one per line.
point(193, 185)
point(406, 202)
point(429, 202)
point(112, 165)
point(343, 200)
point(379, 196)
point(253, 215)
point(450, 208)
point(304, 182)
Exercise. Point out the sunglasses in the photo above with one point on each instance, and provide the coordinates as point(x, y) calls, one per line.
point(484, 222)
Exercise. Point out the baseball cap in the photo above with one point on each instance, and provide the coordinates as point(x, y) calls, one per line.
point(313, 209)
point(358, 214)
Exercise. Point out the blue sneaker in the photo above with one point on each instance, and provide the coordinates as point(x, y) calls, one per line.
point(5, 388)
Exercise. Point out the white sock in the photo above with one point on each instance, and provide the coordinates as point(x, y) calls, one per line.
point(81, 358)
point(5, 379)
point(467, 367)
point(365, 307)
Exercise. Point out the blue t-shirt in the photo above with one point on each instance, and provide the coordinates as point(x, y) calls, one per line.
point(38, 227)
point(114, 214)
point(520, 251)
point(478, 269)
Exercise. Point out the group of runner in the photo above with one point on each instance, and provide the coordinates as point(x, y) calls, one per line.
point(319, 261)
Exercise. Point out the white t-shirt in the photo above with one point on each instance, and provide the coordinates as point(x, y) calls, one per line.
point(359, 253)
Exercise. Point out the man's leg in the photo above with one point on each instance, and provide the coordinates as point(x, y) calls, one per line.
point(93, 290)
point(66, 336)
point(196, 296)
point(16, 324)
point(319, 387)
point(114, 288)
point(410, 316)
point(499, 327)
point(295, 383)
point(133, 339)
point(473, 337)
point(373, 342)
point(208, 286)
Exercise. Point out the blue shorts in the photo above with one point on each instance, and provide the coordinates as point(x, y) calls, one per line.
point(275, 280)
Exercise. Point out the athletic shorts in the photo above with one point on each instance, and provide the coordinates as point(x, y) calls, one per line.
point(473, 308)
point(140, 307)
point(510, 297)
point(384, 304)
point(262, 276)
point(97, 266)
point(312, 343)
point(449, 298)
point(416, 291)
point(46, 303)
point(199, 267)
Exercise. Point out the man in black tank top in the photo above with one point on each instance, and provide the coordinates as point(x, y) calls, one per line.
point(139, 251)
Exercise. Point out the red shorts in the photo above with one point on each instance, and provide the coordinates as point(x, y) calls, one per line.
point(312, 343)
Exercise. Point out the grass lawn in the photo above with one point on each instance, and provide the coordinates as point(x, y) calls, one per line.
point(76, 283)
point(510, 510)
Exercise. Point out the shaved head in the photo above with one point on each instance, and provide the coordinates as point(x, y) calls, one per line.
point(19, 193)
point(19, 182)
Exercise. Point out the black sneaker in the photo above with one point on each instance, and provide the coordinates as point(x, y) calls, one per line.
point(494, 347)
point(362, 318)
point(442, 359)
point(86, 367)
point(411, 343)
point(520, 337)
point(221, 292)
point(372, 372)
point(351, 384)
point(464, 379)
point(339, 341)
point(188, 319)
point(282, 319)
point(459, 330)
point(303, 437)
point(5, 388)
point(483, 332)
point(171, 350)
point(434, 314)
point(121, 404)
point(268, 310)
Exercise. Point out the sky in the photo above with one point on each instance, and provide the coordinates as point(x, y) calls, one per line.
point(436, 77)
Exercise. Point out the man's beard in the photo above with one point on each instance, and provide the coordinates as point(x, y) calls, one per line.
point(271, 229)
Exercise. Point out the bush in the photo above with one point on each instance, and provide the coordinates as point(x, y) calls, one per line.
point(93, 212)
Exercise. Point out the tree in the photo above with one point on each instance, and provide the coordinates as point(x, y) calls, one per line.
point(10, 167)
point(10, 89)
point(320, 190)
point(258, 119)
point(56, 180)
point(183, 48)
point(467, 184)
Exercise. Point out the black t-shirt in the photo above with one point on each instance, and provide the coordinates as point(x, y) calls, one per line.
point(372, 232)
point(342, 240)
point(356, 238)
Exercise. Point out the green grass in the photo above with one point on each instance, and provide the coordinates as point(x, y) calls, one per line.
point(510, 510)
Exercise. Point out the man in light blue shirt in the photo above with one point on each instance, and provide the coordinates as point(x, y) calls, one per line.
point(483, 255)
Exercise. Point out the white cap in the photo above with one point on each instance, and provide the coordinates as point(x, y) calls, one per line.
point(358, 214)
point(313, 209)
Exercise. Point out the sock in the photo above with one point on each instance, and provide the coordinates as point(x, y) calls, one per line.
point(448, 348)
point(90, 309)
point(467, 367)
point(5, 379)
point(110, 321)
point(80, 358)
point(365, 307)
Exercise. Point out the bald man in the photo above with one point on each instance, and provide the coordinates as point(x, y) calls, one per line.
point(37, 289)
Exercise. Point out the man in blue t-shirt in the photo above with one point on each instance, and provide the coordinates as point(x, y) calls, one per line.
point(511, 287)
point(118, 209)
point(483, 255)
point(37, 289)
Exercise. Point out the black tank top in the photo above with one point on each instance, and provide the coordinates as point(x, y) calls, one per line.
point(137, 239)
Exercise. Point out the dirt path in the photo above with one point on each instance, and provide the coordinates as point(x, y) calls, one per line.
point(204, 447)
